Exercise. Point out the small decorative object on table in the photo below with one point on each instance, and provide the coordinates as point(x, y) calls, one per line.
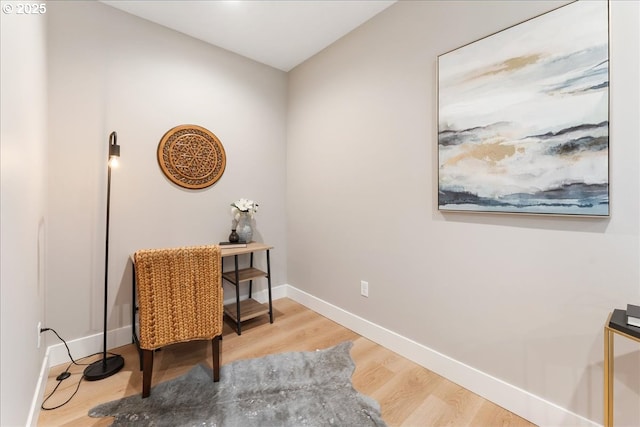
point(232, 245)
point(233, 237)
point(243, 211)
point(633, 315)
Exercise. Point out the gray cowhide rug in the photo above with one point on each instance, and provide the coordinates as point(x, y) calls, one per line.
point(289, 389)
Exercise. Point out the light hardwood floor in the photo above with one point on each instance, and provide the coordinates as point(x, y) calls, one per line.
point(409, 395)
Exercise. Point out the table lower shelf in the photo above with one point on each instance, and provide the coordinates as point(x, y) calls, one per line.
point(249, 309)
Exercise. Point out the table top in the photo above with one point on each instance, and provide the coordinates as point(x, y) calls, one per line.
point(251, 247)
point(618, 322)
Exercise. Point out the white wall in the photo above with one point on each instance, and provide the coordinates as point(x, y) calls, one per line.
point(22, 210)
point(521, 298)
point(110, 71)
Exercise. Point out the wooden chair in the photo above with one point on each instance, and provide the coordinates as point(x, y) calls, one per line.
point(179, 293)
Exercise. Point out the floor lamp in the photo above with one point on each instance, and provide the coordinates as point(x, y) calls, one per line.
point(106, 366)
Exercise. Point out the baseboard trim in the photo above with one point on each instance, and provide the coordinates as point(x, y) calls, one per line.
point(529, 406)
point(38, 395)
point(85, 346)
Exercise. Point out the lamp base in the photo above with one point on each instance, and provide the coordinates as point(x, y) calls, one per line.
point(103, 368)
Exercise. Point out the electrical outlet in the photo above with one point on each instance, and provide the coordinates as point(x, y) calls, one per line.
point(364, 288)
point(39, 327)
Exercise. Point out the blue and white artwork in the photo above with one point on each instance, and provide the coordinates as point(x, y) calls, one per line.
point(523, 117)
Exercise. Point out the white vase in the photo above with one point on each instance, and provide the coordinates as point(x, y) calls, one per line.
point(244, 229)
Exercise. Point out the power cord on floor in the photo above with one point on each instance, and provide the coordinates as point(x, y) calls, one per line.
point(65, 374)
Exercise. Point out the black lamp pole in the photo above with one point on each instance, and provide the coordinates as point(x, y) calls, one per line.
point(107, 366)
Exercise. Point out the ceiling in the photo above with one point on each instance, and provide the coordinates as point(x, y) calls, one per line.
point(281, 33)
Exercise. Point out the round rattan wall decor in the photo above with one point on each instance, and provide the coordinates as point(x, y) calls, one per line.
point(191, 156)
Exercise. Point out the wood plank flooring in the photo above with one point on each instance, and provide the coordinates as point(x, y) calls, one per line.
point(409, 395)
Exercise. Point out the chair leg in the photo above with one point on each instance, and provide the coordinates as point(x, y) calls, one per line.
point(140, 357)
point(146, 372)
point(215, 349)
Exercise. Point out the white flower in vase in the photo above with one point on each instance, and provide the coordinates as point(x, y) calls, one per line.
point(243, 206)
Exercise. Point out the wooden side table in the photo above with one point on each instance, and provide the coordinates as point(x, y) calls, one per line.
point(249, 308)
point(616, 324)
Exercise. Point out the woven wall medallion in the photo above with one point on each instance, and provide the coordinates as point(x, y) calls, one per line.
point(191, 156)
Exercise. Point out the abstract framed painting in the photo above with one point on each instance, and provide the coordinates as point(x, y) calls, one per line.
point(523, 117)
